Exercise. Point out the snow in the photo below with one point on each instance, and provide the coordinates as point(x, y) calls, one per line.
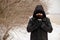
point(55, 35)
point(53, 6)
point(20, 33)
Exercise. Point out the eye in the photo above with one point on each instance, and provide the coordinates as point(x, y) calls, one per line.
point(41, 14)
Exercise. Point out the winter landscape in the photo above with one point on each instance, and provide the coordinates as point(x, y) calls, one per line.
point(14, 16)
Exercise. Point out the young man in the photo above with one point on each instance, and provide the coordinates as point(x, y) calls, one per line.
point(39, 25)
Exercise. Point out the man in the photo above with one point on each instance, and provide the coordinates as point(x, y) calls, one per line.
point(39, 25)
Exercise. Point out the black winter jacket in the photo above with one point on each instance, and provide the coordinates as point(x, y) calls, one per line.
point(39, 28)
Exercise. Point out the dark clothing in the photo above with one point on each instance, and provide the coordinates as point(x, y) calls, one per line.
point(39, 27)
point(39, 9)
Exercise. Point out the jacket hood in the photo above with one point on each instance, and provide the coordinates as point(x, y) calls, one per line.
point(39, 9)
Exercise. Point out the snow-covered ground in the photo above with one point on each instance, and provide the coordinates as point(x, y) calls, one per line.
point(20, 33)
point(55, 35)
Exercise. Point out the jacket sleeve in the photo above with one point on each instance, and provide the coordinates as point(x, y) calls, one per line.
point(32, 25)
point(47, 26)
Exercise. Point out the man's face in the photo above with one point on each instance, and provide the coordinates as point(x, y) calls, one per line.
point(39, 14)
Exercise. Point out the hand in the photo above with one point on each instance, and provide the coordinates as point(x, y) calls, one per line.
point(44, 19)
